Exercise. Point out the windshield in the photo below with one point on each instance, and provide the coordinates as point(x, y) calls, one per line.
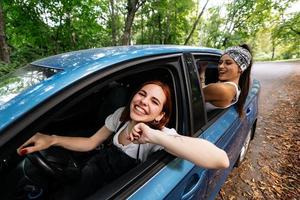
point(14, 83)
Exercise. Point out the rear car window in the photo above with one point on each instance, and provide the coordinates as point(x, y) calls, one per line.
point(15, 82)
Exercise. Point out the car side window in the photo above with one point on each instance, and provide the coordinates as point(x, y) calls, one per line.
point(210, 63)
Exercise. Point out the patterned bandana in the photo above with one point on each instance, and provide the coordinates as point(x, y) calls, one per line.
point(240, 55)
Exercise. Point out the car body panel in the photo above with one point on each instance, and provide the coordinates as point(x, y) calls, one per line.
point(102, 57)
point(163, 183)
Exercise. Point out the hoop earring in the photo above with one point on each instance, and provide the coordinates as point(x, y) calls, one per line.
point(155, 122)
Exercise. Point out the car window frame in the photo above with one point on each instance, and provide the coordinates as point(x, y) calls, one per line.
point(215, 114)
point(193, 85)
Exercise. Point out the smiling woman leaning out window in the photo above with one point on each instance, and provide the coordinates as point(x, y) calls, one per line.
point(234, 79)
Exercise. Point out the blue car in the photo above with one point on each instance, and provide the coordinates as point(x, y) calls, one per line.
point(72, 93)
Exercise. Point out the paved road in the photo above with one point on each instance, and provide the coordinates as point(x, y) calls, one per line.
point(272, 76)
point(263, 173)
point(267, 72)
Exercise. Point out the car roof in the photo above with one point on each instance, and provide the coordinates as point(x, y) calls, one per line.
point(77, 65)
point(107, 56)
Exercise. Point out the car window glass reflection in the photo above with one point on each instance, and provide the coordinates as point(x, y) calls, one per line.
point(14, 83)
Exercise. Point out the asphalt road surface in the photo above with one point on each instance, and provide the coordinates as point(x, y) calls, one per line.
point(271, 169)
point(273, 76)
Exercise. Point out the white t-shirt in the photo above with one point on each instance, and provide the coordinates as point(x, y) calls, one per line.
point(112, 122)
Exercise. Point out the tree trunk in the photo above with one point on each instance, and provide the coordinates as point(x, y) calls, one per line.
point(132, 8)
point(196, 23)
point(4, 49)
point(167, 29)
point(174, 27)
point(127, 30)
point(161, 40)
point(273, 50)
point(142, 28)
point(113, 23)
point(131, 4)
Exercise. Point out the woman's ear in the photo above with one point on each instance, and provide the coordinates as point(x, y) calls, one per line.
point(240, 71)
point(160, 116)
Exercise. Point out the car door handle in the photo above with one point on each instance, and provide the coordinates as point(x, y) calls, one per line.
point(248, 111)
point(191, 187)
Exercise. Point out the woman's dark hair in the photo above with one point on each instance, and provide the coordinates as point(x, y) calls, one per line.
point(244, 84)
point(167, 107)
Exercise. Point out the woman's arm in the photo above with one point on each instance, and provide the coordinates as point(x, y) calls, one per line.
point(196, 150)
point(219, 94)
point(202, 68)
point(41, 141)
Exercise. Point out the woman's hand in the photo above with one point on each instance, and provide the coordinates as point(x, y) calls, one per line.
point(202, 67)
point(37, 142)
point(142, 133)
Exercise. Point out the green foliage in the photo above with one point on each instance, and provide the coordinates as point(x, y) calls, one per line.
point(163, 22)
point(6, 68)
point(38, 28)
point(210, 32)
point(53, 27)
point(286, 31)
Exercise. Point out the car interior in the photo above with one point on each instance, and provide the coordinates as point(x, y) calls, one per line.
point(82, 114)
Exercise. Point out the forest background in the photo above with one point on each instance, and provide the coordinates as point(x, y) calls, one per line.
point(32, 29)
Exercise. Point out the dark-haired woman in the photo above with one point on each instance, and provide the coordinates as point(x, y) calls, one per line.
point(234, 80)
point(133, 140)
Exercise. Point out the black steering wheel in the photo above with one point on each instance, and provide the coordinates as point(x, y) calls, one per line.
point(57, 163)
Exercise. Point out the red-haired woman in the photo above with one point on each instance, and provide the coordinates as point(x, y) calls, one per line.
point(139, 130)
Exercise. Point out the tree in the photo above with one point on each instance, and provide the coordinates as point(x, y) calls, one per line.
point(244, 19)
point(53, 27)
point(4, 49)
point(285, 31)
point(209, 31)
point(113, 23)
point(132, 8)
point(196, 23)
point(38, 28)
point(163, 22)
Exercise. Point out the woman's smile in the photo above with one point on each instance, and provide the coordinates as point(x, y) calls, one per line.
point(222, 71)
point(139, 110)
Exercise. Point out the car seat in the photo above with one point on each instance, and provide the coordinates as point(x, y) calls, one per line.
point(114, 97)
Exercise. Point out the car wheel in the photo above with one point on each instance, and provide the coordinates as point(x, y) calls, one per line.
point(245, 148)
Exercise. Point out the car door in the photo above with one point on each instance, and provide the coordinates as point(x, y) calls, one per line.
point(227, 131)
point(224, 128)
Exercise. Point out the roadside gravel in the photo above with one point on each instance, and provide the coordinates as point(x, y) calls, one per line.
point(271, 169)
